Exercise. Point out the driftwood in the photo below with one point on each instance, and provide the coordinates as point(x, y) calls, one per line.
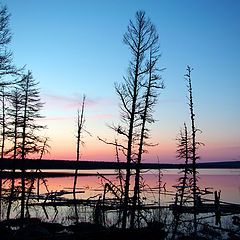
point(206, 208)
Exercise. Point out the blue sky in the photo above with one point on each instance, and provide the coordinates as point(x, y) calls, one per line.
point(75, 47)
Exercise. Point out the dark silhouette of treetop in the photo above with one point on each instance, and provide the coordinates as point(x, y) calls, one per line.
point(137, 94)
point(141, 35)
point(7, 68)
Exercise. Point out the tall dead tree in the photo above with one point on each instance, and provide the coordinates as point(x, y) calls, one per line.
point(140, 36)
point(194, 156)
point(3, 121)
point(80, 123)
point(151, 86)
point(43, 150)
point(3, 135)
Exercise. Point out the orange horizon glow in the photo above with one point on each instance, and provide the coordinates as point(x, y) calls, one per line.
point(228, 183)
point(98, 151)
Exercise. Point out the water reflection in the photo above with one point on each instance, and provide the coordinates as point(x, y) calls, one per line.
point(91, 187)
point(226, 180)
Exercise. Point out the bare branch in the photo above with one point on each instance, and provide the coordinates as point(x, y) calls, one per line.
point(111, 143)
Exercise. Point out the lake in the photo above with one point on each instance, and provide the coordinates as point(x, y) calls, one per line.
point(91, 187)
point(226, 180)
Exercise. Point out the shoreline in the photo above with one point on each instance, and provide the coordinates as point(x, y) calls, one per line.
point(8, 174)
point(30, 164)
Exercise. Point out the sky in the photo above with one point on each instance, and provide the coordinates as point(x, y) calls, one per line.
point(75, 47)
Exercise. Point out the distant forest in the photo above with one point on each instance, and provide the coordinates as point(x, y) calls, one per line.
point(84, 165)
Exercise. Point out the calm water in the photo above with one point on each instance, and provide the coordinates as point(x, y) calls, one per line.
point(226, 180)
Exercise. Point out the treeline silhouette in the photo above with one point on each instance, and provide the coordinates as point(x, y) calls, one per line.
point(20, 108)
point(138, 94)
point(32, 164)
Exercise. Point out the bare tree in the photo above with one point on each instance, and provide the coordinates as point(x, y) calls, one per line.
point(194, 156)
point(140, 36)
point(3, 134)
point(3, 120)
point(80, 123)
point(152, 85)
point(43, 150)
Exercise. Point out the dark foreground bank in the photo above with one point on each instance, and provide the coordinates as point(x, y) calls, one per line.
point(35, 229)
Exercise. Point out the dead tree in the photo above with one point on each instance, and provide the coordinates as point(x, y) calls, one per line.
point(150, 95)
point(3, 120)
point(160, 186)
point(80, 123)
point(184, 151)
point(119, 170)
point(194, 156)
point(43, 150)
point(3, 135)
point(140, 36)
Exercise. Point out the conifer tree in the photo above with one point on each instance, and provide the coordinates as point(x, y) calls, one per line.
point(194, 147)
point(14, 113)
point(140, 36)
point(8, 71)
point(29, 128)
point(151, 87)
point(184, 151)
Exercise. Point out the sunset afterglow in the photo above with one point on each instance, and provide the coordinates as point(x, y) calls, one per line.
point(75, 48)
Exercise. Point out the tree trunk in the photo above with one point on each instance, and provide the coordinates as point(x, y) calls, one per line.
point(194, 157)
point(23, 149)
point(80, 126)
